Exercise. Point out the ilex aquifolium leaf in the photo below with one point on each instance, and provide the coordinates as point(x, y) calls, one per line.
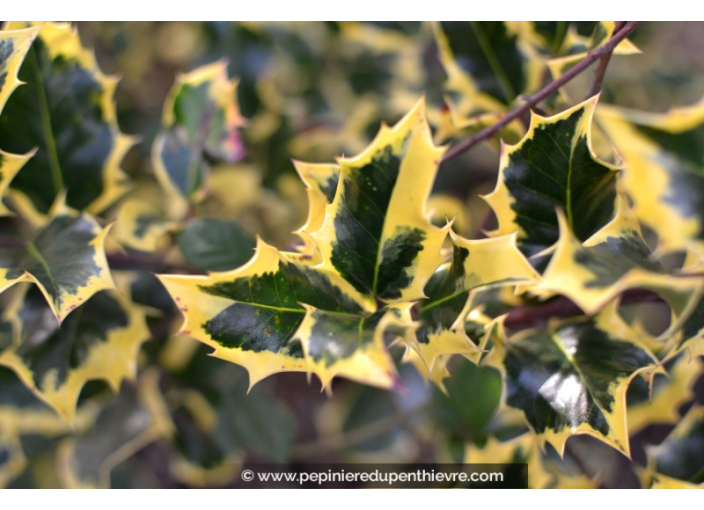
point(136, 418)
point(488, 63)
point(99, 341)
point(14, 45)
point(66, 259)
point(376, 234)
point(22, 416)
point(321, 184)
point(474, 264)
point(353, 346)
point(553, 166)
point(664, 170)
point(660, 401)
point(199, 127)
point(66, 112)
point(572, 379)
point(613, 260)
point(677, 461)
point(141, 222)
point(274, 314)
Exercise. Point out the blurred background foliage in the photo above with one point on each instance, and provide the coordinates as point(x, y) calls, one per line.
point(307, 91)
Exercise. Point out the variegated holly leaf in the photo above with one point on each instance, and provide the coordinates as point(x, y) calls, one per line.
point(665, 172)
point(677, 461)
point(443, 314)
point(136, 418)
point(199, 127)
point(321, 182)
point(141, 223)
point(275, 314)
point(614, 259)
point(201, 461)
point(488, 63)
point(22, 415)
point(14, 45)
point(659, 402)
point(66, 111)
point(525, 448)
point(218, 422)
point(553, 166)
point(375, 233)
point(99, 341)
point(572, 379)
point(690, 337)
point(353, 346)
point(66, 260)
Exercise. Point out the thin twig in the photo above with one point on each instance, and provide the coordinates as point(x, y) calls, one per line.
point(525, 316)
point(591, 57)
point(600, 70)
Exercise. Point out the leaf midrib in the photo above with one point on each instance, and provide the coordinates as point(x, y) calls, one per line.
point(555, 338)
point(37, 255)
point(52, 153)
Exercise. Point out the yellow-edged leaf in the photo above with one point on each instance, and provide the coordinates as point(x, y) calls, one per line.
point(661, 404)
point(614, 259)
point(136, 418)
point(553, 167)
point(444, 313)
point(251, 315)
point(200, 124)
point(572, 379)
point(677, 461)
point(67, 112)
point(100, 341)
point(664, 172)
point(375, 233)
point(66, 259)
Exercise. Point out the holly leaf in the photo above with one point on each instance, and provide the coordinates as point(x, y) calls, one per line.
point(14, 45)
point(353, 346)
point(66, 111)
point(443, 314)
point(100, 341)
point(659, 402)
point(22, 415)
point(321, 182)
point(572, 379)
point(219, 422)
point(250, 316)
point(665, 172)
point(553, 166)
point(488, 63)
point(199, 127)
point(66, 260)
point(677, 461)
point(141, 223)
point(375, 233)
point(136, 418)
point(614, 259)
point(522, 449)
point(690, 337)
